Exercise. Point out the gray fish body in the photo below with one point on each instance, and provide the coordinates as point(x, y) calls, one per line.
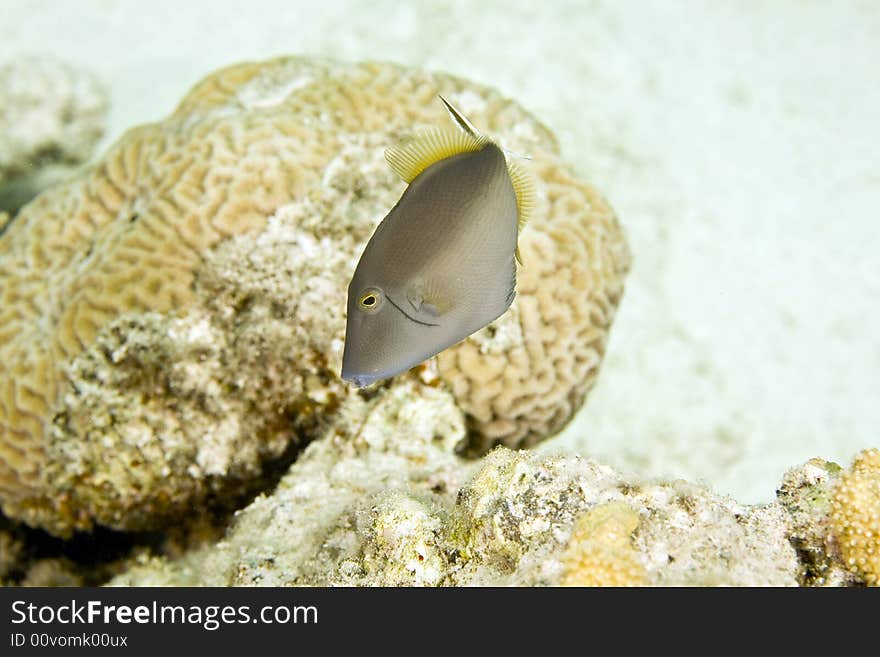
point(442, 264)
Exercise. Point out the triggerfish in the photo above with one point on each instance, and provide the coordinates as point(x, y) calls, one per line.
point(442, 263)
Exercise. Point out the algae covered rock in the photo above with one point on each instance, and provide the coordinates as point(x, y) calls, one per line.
point(806, 493)
point(171, 319)
point(385, 468)
point(384, 502)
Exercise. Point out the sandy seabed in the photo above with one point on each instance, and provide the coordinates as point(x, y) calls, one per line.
point(737, 141)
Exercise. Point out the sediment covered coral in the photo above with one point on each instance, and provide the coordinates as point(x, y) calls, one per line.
point(384, 469)
point(172, 319)
point(52, 116)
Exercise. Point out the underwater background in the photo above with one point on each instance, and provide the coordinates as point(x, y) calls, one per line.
point(737, 142)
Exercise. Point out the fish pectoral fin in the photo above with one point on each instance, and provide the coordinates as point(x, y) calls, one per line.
point(429, 146)
point(430, 309)
point(421, 305)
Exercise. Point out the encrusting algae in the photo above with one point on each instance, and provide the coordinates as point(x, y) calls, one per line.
point(172, 317)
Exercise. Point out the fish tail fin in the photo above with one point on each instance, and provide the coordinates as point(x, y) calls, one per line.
point(523, 182)
point(521, 156)
point(524, 188)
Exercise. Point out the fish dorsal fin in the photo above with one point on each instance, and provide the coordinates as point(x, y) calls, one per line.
point(523, 183)
point(524, 188)
point(460, 119)
point(431, 145)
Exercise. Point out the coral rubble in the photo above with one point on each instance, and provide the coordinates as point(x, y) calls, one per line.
point(384, 502)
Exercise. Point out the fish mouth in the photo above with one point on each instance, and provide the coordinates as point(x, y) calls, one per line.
point(359, 380)
point(407, 315)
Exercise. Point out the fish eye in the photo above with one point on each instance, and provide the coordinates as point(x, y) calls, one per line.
point(371, 300)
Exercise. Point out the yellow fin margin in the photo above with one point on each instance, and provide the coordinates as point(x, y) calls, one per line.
point(431, 145)
point(524, 188)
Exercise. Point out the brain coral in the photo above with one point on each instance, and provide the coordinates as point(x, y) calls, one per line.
point(173, 317)
point(855, 516)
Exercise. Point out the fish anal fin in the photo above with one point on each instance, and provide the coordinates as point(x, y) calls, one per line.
point(427, 147)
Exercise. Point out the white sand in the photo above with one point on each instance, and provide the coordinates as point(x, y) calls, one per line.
point(741, 150)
